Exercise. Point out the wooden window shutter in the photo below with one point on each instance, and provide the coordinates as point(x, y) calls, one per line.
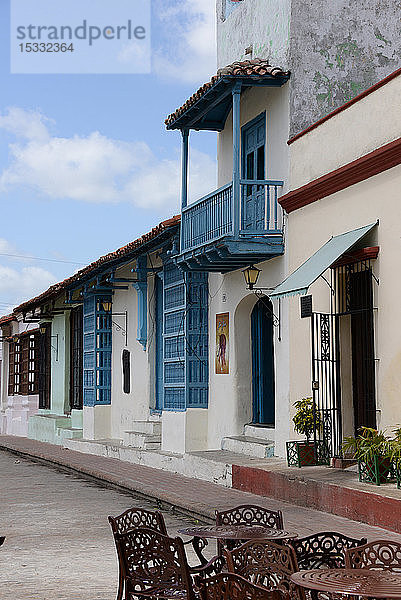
point(11, 368)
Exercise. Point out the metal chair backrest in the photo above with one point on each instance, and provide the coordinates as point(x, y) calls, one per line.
point(250, 514)
point(266, 564)
point(138, 517)
point(323, 550)
point(381, 554)
point(228, 586)
point(151, 561)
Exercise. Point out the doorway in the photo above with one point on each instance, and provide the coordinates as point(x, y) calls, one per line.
point(263, 385)
point(253, 168)
point(363, 357)
point(76, 358)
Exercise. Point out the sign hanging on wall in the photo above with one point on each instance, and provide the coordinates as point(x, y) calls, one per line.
point(222, 343)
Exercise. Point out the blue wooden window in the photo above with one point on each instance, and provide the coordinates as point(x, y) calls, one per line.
point(182, 369)
point(97, 351)
point(197, 340)
point(89, 351)
point(159, 342)
point(173, 338)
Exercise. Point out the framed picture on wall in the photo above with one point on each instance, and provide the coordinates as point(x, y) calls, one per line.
point(222, 343)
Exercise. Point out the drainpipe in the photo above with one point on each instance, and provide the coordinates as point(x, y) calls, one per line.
point(236, 156)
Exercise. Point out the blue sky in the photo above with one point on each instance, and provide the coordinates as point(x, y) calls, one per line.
point(86, 164)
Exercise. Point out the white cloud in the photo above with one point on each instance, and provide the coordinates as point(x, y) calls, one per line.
point(19, 285)
point(6, 247)
point(189, 55)
point(96, 168)
point(25, 124)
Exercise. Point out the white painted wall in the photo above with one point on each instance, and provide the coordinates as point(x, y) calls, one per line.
point(230, 396)
point(184, 431)
point(358, 130)
point(15, 410)
point(96, 421)
point(128, 408)
point(60, 364)
point(255, 101)
point(348, 136)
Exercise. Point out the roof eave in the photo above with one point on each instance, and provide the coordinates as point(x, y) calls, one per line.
point(187, 119)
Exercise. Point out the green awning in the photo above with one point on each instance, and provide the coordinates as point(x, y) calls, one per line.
point(300, 280)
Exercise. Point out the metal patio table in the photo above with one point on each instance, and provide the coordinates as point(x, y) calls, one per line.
point(235, 533)
point(366, 583)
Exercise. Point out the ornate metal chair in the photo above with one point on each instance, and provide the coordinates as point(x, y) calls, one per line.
point(140, 517)
point(382, 554)
point(323, 550)
point(154, 565)
point(248, 514)
point(228, 586)
point(266, 564)
point(130, 519)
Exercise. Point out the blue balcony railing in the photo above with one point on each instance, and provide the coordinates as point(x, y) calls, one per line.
point(213, 216)
point(208, 219)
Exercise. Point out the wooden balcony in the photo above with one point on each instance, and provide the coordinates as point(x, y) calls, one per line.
point(224, 230)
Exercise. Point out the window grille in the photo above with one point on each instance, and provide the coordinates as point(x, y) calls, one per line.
point(185, 339)
point(45, 367)
point(76, 358)
point(24, 365)
point(97, 351)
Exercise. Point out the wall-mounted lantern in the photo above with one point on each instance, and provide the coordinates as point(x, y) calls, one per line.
point(251, 276)
point(107, 307)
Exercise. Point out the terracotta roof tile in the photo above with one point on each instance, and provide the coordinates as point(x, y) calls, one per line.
point(255, 68)
point(54, 290)
point(7, 319)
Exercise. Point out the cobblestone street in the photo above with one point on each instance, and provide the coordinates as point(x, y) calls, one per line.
point(58, 540)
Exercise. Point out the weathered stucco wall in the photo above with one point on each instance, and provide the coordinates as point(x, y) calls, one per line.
point(311, 226)
point(347, 135)
point(338, 49)
point(264, 24)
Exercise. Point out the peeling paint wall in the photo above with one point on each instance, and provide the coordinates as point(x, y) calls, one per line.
point(335, 49)
point(264, 24)
point(338, 49)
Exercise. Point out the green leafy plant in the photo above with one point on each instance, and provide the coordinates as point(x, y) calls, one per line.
point(394, 449)
point(306, 419)
point(368, 444)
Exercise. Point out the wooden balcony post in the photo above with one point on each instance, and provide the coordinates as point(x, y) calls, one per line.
point(184, 169)
point(236, 156)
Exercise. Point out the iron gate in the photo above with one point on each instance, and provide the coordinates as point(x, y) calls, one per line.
point(326, 383)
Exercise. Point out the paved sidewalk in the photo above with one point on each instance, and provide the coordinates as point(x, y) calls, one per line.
point(195, 497)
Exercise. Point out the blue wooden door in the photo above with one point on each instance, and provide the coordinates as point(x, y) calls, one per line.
point(159, 342)
point(253, 167)
point(263, 389)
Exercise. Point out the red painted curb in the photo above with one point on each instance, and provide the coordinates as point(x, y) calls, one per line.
point(357, 505)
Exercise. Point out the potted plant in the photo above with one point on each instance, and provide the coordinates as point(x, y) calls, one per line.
point(395, 454)
point(304, 453)
point(374, 452)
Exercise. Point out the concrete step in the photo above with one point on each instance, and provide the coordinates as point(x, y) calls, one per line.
point(250, 446)
point(69, 433)
point(207, 466)
point(146, 441)
point(147, 427)
point(258, 431)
